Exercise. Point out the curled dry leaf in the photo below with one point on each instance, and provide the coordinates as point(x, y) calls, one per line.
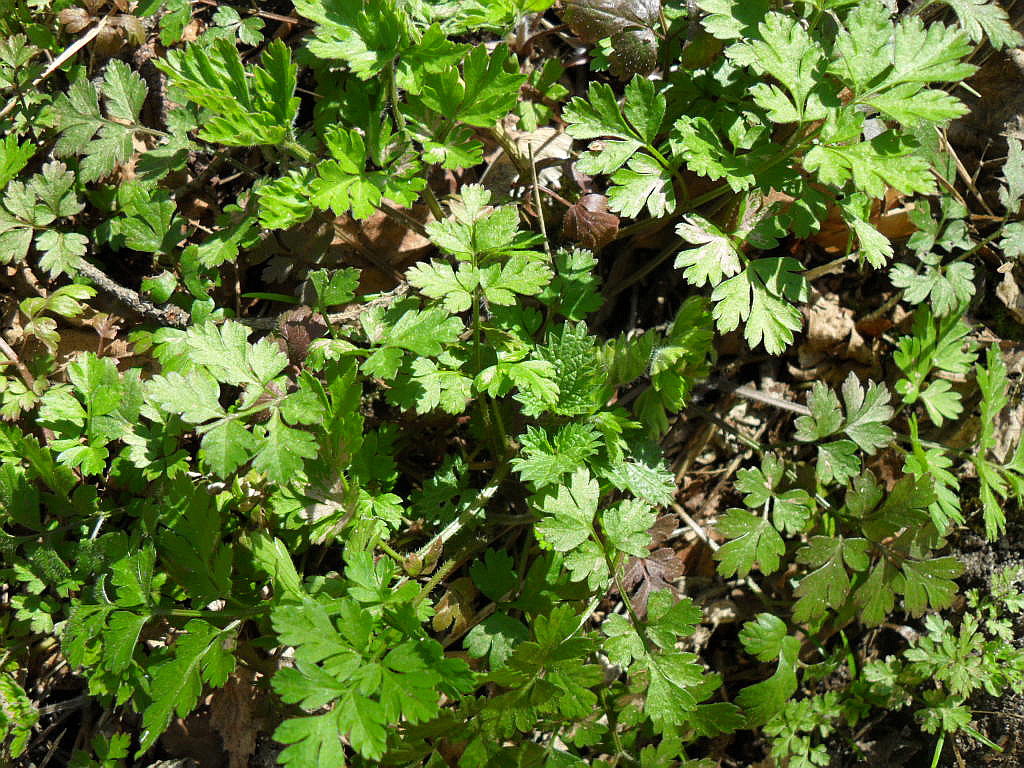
point(1008, 291)
point(512, 177)
point(589, 222)
point(299, 328)
point(74, 20)
point(455, 608)
point(1010, 421)
point(118, 30)
point(659, 570)
point(233, 717)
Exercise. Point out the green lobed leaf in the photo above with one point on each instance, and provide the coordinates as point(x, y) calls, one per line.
point(569, 514)
point(626, 525)
point(753, 540)
point(200, 659)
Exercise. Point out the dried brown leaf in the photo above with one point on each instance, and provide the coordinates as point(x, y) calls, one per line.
point(589, 222)
point(299, 328)
point(232, 717)
point(455, 608)
point(643, 575)
point(74, 20)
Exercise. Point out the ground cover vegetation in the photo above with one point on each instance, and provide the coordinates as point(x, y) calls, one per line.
point(513, 383)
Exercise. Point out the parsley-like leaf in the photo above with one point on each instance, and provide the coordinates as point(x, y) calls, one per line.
point(103, 140)
point(761, 296)
point(753, 540)
point(247, 108)
point(569, 514)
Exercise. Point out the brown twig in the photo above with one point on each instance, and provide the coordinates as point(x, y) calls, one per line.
point(180, 318)
point(11, 355)
point(173, 316)
point(749, 393)
point(403, 218)
point(345, 317)
point(962, 172)
point(696, 527)
point(58, 62)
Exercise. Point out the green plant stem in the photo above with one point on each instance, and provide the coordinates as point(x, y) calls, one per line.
point(499, 424)
point(476, 329)
point(190, 613)
point(391, 552)
point(669, 250)
point(432, 203)
point(485, 495)
point(978, 246)
point(613, 568)
point(391, 93)
point(298, 151)
point(439, 575)
point(613, 727)
point(645, 270)
point(676, 174)
point(539, 203)
point(938, 749)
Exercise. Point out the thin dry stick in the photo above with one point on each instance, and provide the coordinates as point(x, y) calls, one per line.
point(11, 355)
point(749, 393)
point(695, 527)
point(170, 316)
point(403, 218)
point(696, 448)
point(961, 171)
point(180, 318)
point(538, 202)
point(832, 267)
point(343, 318)
point(58, 62)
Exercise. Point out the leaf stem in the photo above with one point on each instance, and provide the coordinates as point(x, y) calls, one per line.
point(432, 203)
point(391, 93)
point(191, 613)
point(388, 550)
point(674, 170)
point(439, 575)
point(299, 151)
point(613, 568)
point(23, 370)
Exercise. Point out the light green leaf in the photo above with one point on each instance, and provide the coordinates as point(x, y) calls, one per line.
point(227, 446)
point(200, 658)
point(716, 257)
point(787, 52)
point(61, 252)
point(626, 525)
point(888, 159)
point(194, 396)
point(985, 18)
point(763, 700)
point(762, 296)
point(438, 280)
point(281, 451)
point(569, 514)
point(752, 540)
point(642, 183)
